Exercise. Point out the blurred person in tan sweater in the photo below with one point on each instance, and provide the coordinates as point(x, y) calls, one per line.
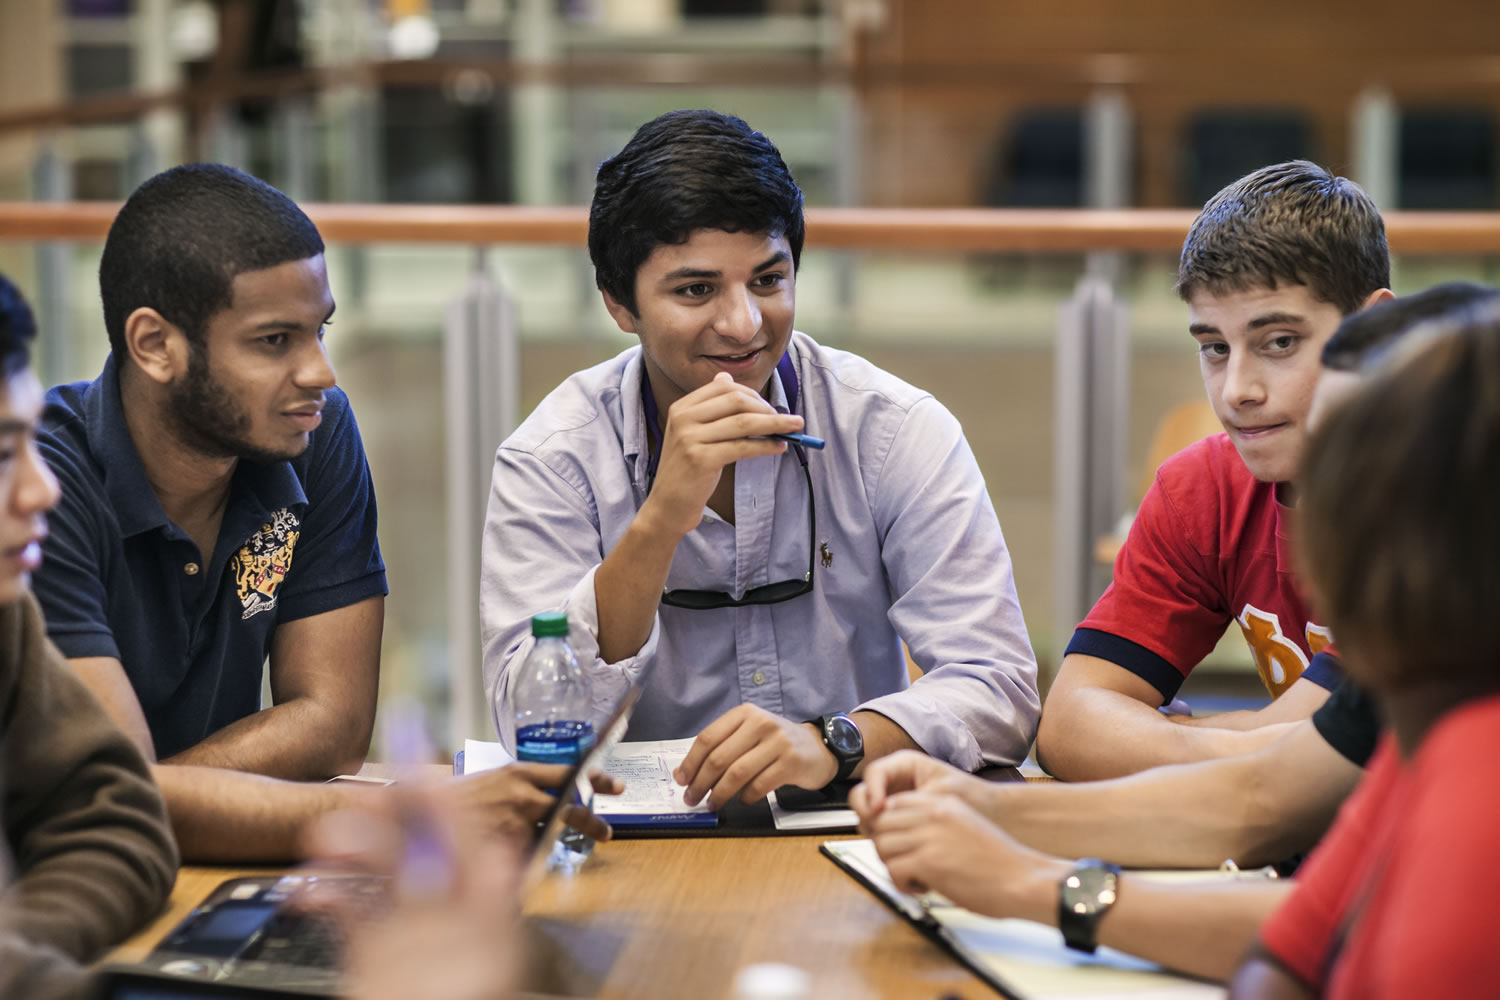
point(91, 856)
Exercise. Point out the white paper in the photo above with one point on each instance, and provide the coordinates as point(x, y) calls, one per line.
point(483, 755)
point(646, 769)
point(812, 819)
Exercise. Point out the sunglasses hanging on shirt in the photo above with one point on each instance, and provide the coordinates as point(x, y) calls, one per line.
point(771, 593)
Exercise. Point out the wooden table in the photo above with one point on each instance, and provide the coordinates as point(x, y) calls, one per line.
point(678, 918)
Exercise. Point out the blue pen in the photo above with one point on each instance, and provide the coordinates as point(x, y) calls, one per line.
point(805, 440)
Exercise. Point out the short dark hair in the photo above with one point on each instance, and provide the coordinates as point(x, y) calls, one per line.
point(181, 239)
point(680, 172)
point(1396, 518)
point(1363, 338)
point(1293, 222)
point(17, 329)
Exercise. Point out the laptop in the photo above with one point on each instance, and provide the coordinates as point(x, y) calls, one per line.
point(243, 941)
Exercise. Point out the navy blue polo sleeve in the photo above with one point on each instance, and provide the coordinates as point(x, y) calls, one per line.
point(336, 561)
point(69, 585)
point(1144, 663)
point(1350, 721)
point(1325, 671)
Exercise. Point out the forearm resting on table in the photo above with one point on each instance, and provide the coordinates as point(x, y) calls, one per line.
point(1203, 928)
point(1254, 809)
point(628, 586)
point(297, 740)
point(300, 739)
point(222, 817)
point(1298, 702)
point(1088, 733)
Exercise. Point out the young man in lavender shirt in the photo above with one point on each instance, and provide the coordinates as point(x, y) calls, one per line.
point(770, 585)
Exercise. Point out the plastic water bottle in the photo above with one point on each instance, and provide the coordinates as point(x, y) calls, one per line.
point(553, 724)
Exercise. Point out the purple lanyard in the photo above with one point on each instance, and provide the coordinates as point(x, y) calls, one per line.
point(784, 368)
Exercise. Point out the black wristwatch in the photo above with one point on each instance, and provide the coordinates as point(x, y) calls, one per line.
point(843, 739)
point(1084, 896)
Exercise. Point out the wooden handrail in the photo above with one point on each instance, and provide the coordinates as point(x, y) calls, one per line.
point(1035, 72)
point(888, 229)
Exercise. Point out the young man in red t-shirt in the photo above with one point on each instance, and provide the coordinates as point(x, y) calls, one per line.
point(1402, 548)
point(1269, 269)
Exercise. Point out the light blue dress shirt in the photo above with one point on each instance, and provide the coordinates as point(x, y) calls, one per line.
point(908, 548)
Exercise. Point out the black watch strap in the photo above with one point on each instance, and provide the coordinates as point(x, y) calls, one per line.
point(1084, 896)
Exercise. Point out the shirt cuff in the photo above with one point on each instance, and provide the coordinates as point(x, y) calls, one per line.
point(607, 681)
point(932, 726)
point(1134, 657)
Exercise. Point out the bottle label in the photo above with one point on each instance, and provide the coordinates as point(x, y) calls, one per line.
point(554, 742)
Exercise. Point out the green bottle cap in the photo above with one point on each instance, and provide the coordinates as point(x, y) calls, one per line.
point(549, 623)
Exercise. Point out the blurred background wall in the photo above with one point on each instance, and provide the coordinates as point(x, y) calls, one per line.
point(884, 103)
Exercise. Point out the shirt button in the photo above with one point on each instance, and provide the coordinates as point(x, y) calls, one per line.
point(758, 677)
point(191, 569)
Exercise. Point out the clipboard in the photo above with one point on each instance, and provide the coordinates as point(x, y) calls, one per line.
point(1018, 959)
point(736, 819)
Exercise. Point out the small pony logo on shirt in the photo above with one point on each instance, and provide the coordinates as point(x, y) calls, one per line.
point(263, 562)
point(825, 555)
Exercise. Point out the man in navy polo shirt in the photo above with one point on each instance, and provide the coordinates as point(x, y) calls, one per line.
point(218, 513)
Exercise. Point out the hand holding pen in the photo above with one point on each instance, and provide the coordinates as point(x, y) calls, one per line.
point(708, 429)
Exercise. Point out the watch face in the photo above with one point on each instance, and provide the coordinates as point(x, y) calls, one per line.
point(1087, 890)
point(843, 735)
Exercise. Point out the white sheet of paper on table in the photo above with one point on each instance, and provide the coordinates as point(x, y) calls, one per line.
point(484, 755)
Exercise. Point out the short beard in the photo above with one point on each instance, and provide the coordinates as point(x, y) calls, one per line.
point(209, 420)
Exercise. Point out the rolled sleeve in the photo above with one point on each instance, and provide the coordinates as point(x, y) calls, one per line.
point(541, 551)
point(955, 601)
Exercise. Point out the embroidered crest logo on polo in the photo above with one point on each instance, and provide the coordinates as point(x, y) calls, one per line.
point(262, 563)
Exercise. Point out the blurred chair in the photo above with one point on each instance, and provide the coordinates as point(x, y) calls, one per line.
point(1184, 424)
point(1225, 145)
point(1039, 161)
point(1448, 159)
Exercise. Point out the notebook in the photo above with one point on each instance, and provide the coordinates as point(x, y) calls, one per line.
point(1022, 959)
point(652, 803)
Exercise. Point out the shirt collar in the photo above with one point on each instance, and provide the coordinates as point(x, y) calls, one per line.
point(272, 485)
point(633, 419)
